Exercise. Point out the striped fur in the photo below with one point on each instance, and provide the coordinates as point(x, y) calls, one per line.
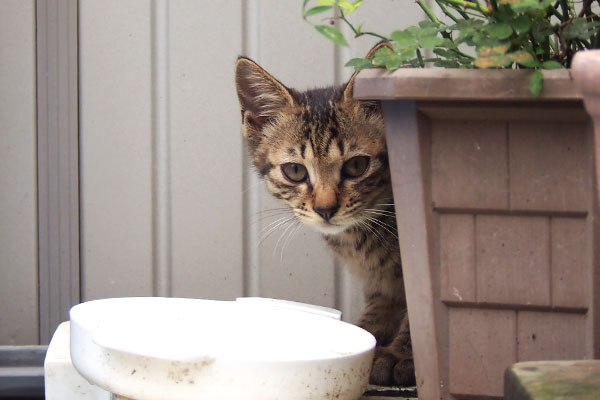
point(322, 129)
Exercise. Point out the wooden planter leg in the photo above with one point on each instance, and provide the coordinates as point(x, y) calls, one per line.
point(586, 73)
point(412, 209)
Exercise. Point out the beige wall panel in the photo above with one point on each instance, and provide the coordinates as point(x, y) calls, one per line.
point(291, 49)
point(115, 130)
point(206, 150)
point(18, 214)
point(382, 17)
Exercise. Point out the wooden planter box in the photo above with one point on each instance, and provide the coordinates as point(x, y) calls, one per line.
point(498, 221)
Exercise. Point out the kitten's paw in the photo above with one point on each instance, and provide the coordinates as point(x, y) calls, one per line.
point(404, 373)
point(383, 366)
point(390, 370)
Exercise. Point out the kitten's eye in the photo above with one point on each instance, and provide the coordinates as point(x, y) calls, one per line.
point(355, 167)
point(294, 172)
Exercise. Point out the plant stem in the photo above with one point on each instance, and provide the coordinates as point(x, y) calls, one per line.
point(586, 9)
point(469, 4)
point(428, 12)
point(556, 13)
point(445, 11)
point(356, 32)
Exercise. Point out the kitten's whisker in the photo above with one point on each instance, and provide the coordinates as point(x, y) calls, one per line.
point(279, 223)
point(383, 225)
point(289, 224)
point(297, 225)
point(271, 210)
point(265, 228)
point(252, 186)
point(380, 212)
point(372, 230)
point(269, 229)
point(264, 217)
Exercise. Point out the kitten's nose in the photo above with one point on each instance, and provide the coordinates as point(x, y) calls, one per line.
point(326, 212)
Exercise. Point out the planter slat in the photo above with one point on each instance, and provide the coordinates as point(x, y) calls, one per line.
point(461, 84)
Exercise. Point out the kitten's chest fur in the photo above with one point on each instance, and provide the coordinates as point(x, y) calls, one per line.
point(371, 252)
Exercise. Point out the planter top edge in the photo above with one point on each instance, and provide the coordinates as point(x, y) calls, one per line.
point(461, 84)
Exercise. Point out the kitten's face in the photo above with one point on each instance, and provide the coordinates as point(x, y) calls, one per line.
point(320, 151)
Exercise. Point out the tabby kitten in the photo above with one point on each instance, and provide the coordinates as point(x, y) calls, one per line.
point(324, 154)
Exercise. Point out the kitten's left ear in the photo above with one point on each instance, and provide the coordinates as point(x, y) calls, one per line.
point(349, 89)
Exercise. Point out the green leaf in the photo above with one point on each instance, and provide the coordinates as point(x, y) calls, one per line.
point(403, 40)
point(385, 57)
point(528, 5)
point(581, 29)
point(332, 33)
point(430, 42)
point(442, 52)
point(541, 29)
point(394, 61)
point(523, 58)
point(359, 63)
point(415, 30)
point(402, 37)
point(500, 31)
point(408, 53)
point(493, 61)
point(380, 56)
point(536, 83)
point(522, 24)
point(317, 10)
point(552, 65)
point(493, 49)
point(424, 32)
point(446, 63)
point(428, 24)
point(326, 2)
point(348, 6)
point(504, 13)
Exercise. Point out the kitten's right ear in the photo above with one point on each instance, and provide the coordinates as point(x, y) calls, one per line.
point(349, 88)
point(261, 96)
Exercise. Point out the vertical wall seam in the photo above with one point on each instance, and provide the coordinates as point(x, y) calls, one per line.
point(76, 276)
point(251, 191)
point(161, 151)
point(39, 154)
point(57, 175)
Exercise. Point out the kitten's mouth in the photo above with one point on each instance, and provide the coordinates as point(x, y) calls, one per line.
point(330, 228)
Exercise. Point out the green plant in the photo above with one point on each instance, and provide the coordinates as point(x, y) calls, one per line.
point(535, 34)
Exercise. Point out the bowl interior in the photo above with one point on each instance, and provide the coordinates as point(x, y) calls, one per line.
point(187, 329)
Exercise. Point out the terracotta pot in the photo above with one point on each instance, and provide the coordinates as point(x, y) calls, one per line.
point(497, 218)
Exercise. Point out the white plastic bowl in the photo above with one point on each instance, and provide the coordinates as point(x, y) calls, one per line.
point(167, 348)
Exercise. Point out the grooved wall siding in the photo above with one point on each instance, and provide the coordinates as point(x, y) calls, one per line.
point(210, 223)
point(168, 203)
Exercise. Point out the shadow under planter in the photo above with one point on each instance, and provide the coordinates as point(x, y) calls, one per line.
point(497, 218)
